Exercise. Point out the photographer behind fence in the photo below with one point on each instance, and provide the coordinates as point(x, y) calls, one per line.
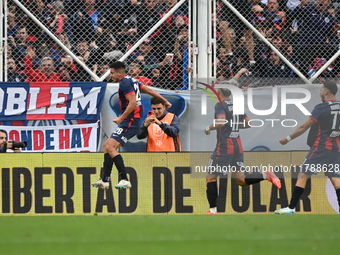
point(4, 144)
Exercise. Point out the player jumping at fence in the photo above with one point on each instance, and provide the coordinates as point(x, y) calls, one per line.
point(324, 155)
point(128, 124)
point(228, 154)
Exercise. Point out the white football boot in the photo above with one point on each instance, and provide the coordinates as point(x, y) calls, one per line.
point(123, 184)
point(101, 185)
point(285, 210)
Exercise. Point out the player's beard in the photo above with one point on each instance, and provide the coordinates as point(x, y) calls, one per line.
point(323, 98)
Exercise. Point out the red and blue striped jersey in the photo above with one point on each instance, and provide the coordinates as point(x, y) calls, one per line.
point(228, 139)
point(327, 116)
point(127, 86)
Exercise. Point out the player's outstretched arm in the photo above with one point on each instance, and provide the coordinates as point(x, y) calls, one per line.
point(151, 92)
point(299, 131)
point(218, 123)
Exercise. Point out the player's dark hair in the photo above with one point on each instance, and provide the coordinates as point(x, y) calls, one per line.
point(118, 65)
point(331, 86)
point(3, 131)
point(155, 100)
point(225, 92)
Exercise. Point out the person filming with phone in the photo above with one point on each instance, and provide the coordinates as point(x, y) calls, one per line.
point(4, 144)
point(161, 129)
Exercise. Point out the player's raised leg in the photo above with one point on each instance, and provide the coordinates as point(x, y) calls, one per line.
point(253, 178)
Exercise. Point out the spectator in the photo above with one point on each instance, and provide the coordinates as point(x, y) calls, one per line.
point(135, 71)
point(272, 12)
point(171, 75)
point(87, 21)
point(119, 14)
point(45, 71)
point(101, 69)
point(67, 70)
point(172, 24)
point(146, 54)
point(83, 50)
point(276, 68)
point(229, 19)
point(21, 41)
point(280, 43)
point(11, 24)
point(22, 37)
point(161, 128)
point(316, 25)
point(225, 60)
point(12, 74)
point(56, 18)
point(291, 57)
point(63, 38)
point(147, 15)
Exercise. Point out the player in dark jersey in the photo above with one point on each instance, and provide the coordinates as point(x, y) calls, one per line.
point(228, 154)
point(324, 155)
point(128, 124)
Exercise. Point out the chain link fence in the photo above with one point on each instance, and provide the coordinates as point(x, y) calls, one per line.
point(88, 35)
point(304, 33)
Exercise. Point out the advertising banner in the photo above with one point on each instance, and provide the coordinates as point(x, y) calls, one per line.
point(70, 138)
point(162, 183)
point(51, 100)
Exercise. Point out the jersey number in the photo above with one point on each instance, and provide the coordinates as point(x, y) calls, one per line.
point(336, 120)
point(138, 96)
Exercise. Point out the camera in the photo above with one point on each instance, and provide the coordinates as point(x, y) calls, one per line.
point(150, 113)
point(21, 144)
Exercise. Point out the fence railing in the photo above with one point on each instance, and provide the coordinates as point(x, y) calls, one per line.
point(170, 43)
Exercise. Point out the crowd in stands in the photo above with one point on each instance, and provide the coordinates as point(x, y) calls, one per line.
point(101, 31)
point(98, 32)
point(305, 32)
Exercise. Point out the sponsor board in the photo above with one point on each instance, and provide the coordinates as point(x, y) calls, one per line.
point(162, 183)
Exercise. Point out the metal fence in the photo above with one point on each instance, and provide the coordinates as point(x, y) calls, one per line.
point(77, 40)
point(253, 42)
point(269, 42)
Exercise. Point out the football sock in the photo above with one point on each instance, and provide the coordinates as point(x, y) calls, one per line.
point(338, 195)
point(108, 163)
point(254, 178)
point(297, 192)
point(212, 193)
point(120, 166)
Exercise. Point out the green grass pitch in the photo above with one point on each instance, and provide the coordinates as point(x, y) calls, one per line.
point(171, 234)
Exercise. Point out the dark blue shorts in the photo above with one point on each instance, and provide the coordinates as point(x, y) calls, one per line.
point(222, 165)
point(325, 161)
point(126, 130)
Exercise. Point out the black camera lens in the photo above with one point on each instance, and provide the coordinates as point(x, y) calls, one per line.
point(22, 144)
